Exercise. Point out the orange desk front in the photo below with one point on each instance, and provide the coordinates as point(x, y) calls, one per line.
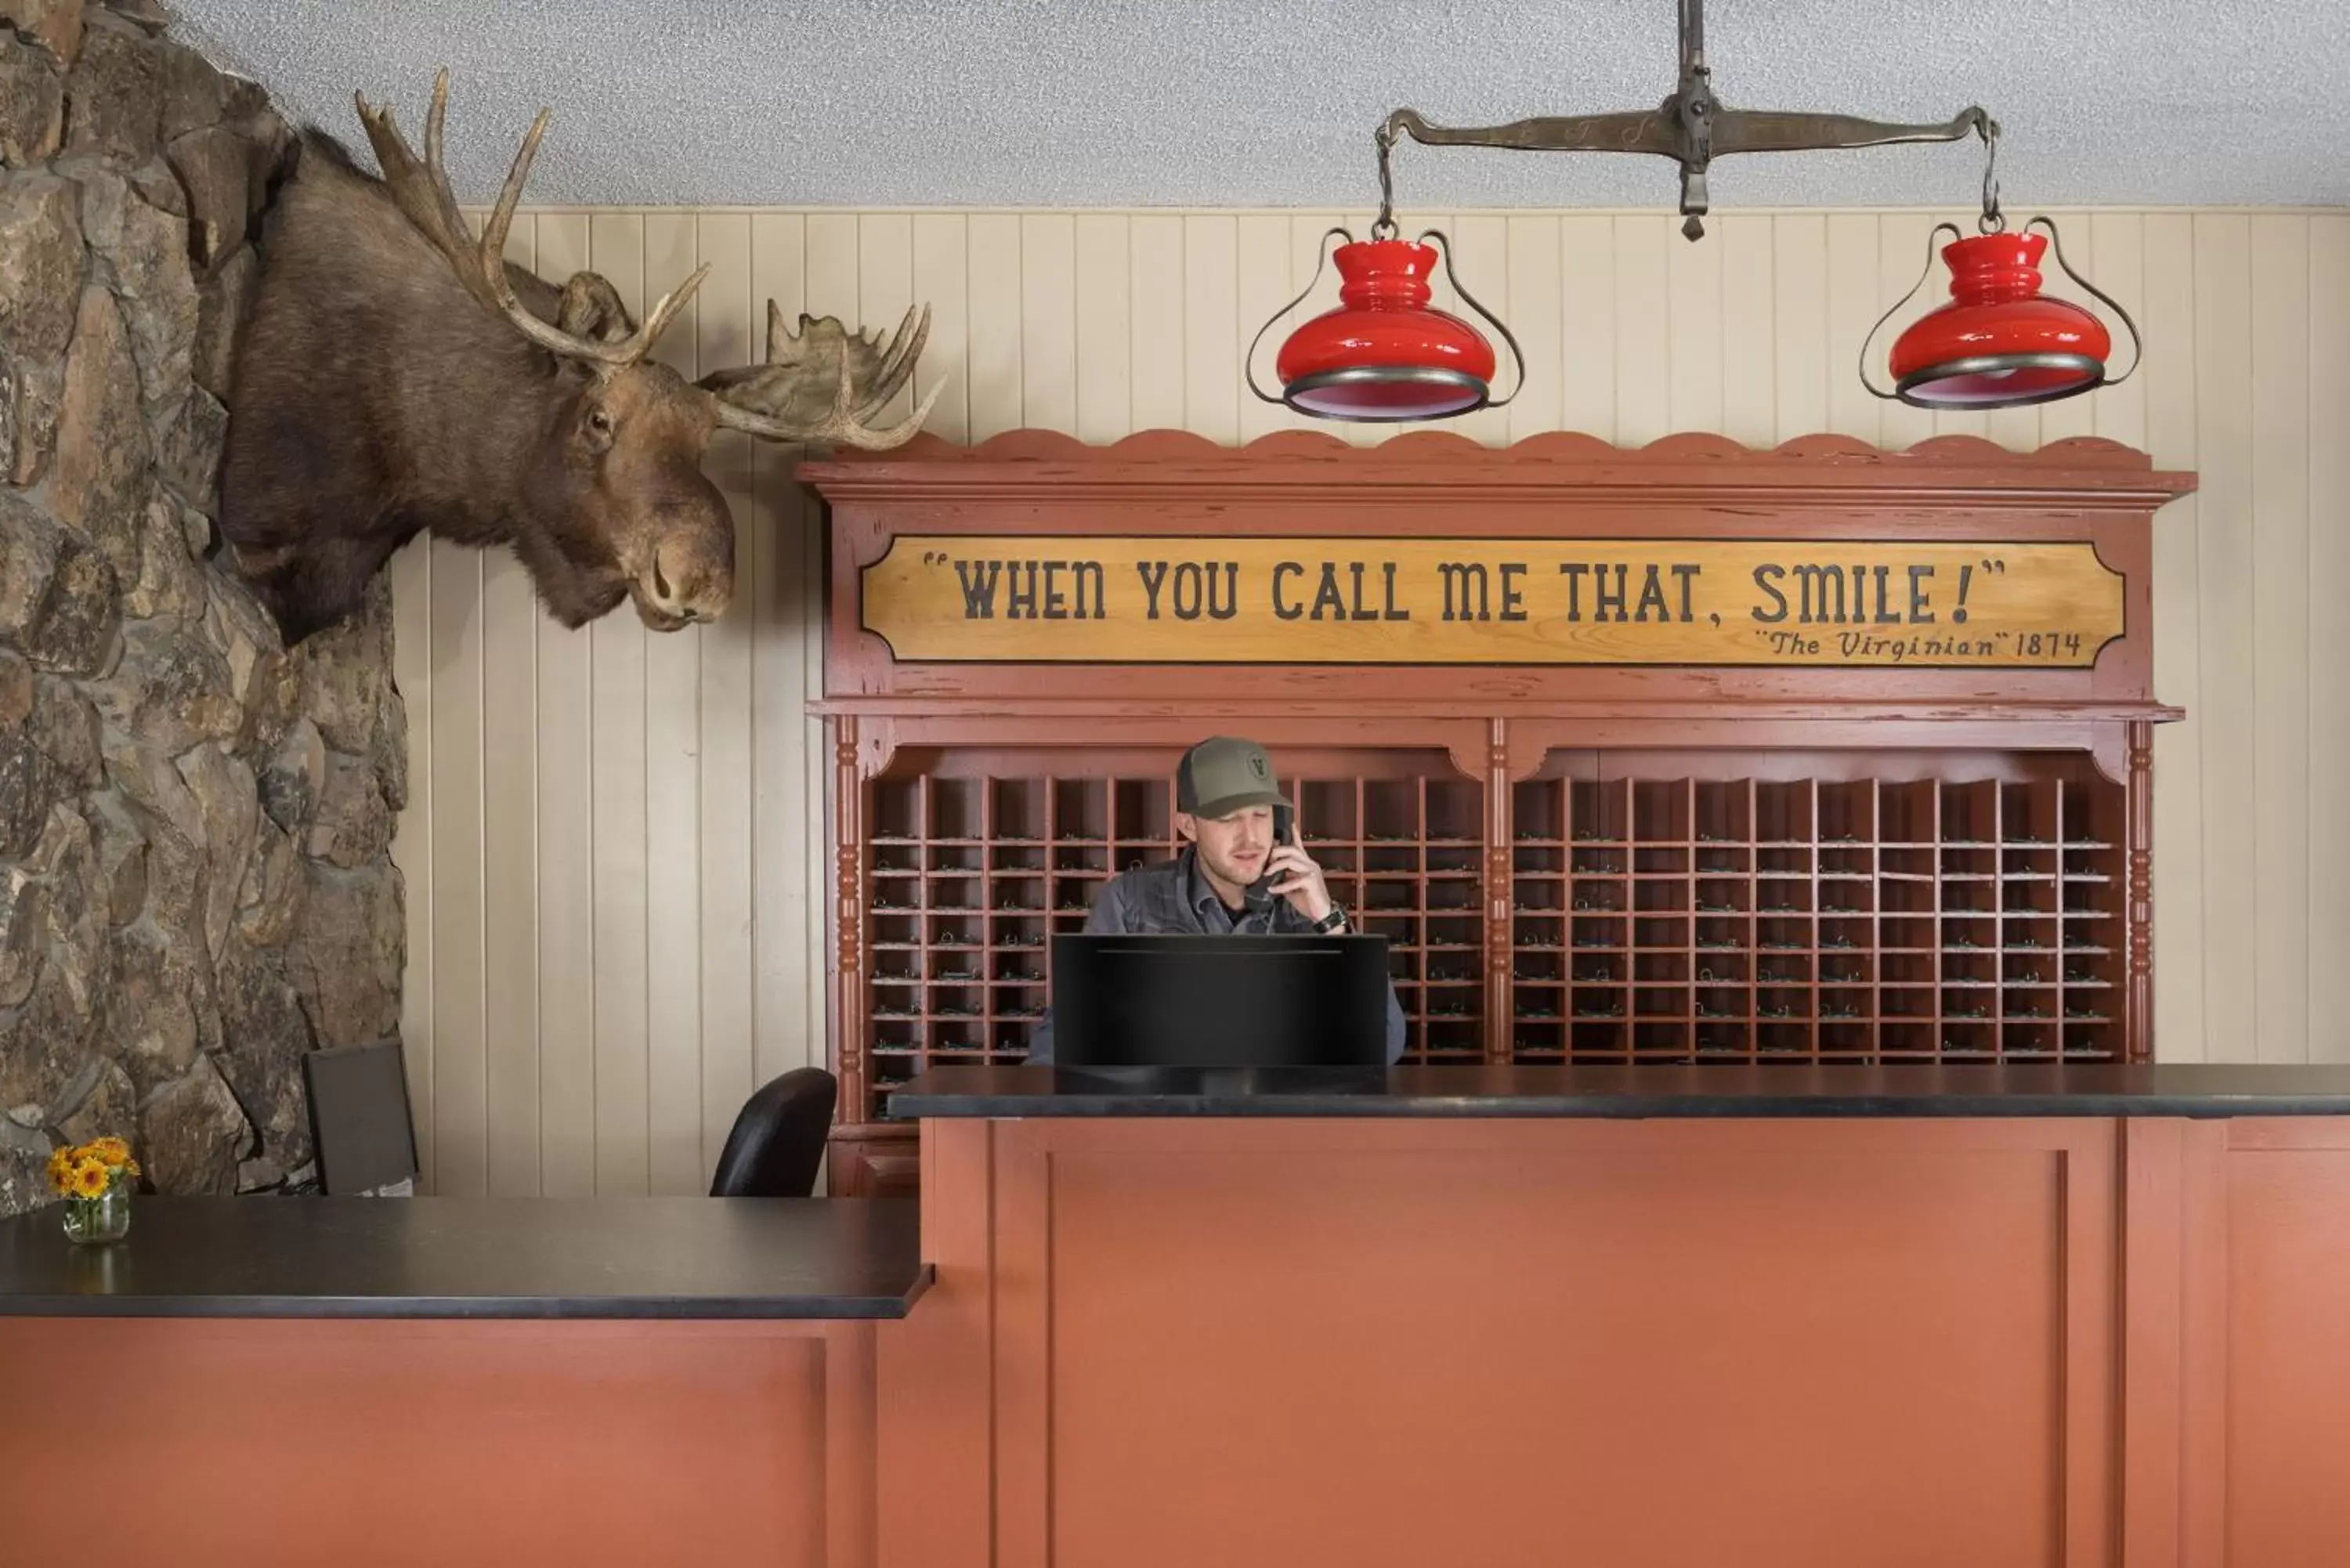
point(1636, 1318)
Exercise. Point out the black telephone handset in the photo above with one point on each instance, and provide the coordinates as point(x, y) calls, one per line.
point(1285, 831)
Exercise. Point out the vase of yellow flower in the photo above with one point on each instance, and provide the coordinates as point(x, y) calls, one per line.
point(94, 1179)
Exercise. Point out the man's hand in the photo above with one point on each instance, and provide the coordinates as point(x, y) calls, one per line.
point(1298, 880)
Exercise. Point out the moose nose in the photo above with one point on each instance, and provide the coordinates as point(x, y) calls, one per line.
point(682, 594)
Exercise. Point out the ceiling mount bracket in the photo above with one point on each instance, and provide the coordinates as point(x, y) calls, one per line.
point(1690, 127)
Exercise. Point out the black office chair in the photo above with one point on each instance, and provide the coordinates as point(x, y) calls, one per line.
point(777, 1141)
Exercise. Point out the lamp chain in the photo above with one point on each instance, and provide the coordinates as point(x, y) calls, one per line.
point(1383, 227)
point(1993, 220)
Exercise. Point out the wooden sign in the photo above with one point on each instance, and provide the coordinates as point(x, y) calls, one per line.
point(1080, 599)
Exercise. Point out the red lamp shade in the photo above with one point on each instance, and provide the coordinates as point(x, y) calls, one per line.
point(1999, 343)
point(1384, 354)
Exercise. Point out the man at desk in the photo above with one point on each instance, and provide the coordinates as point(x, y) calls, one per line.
point(1225, 797)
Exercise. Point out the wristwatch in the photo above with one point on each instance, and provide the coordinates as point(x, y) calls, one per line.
point(1335, 920)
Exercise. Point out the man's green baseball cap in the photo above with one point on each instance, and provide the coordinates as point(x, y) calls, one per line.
point(1222, 776)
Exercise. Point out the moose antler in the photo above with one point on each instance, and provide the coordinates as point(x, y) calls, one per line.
point(423, 195)
point(825, 383)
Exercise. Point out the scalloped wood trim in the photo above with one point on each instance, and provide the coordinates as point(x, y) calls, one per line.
point(1827, 471)
point(1562, 448)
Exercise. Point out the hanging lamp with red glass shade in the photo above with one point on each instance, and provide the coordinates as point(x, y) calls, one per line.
point(1999, 342)
point(1386, 352)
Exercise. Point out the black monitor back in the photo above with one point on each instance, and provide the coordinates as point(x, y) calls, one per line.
point(1220, 1002)
point(360, 1120)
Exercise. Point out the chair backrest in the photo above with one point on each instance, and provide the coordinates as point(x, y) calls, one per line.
point(777, 1141)
point(360, 1119)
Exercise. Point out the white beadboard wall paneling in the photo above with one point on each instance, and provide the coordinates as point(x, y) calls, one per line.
point(885, 287)
point(2281, 586)
point(673, 936)
point(1262, 247)
point(620, 768)
point(992, 329)
point(1643, 316)
point(1048, 321)
point(1694, 283)
point(1852, 309)
point(1749, 345)
point(2168, 398)
point(1480, 264)
point(613, 844)
point(730, 330)
point(1211, 340)
point(834, 289)
point(786, 934)
point(1535, 310)
point(942, 265)
point(566, 851)
point(1103, 301)
point(459, 1077)
point(1586, 349)
point(2329, 628)
point(2225, 696)
point(1155, 293)
point(1799, 319)
point(511, 723)
point(784, 925)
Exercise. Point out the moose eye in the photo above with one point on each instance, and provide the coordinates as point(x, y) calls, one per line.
point(599, 422)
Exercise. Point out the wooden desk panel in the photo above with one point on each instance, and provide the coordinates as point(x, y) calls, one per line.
point(1640, 1355)
point(2268, 1357)
point(1629, 1343)
point(249, 1443)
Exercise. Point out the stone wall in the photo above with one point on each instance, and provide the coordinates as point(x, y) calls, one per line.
point(194, 879)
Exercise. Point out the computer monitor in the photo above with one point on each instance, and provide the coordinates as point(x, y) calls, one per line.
point(1220, 1002)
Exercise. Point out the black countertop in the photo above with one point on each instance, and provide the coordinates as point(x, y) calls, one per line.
point(474, 1258)
point(2185, 1089)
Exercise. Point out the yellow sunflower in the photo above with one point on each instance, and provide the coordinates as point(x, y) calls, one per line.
point(108, 1150)
point(61, 1169)
point(89, 1179)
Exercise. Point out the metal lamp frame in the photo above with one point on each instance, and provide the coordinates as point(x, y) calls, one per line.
point(1690, 127)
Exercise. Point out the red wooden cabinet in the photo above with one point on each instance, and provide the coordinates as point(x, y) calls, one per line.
point(1615, 840)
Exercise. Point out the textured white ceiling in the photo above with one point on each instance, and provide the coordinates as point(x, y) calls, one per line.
point(1271, 102)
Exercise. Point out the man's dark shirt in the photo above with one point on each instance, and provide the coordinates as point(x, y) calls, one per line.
point(1173, 897)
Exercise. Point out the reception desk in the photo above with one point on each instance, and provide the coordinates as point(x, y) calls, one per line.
point(1636, 1318)
point(341, 1383)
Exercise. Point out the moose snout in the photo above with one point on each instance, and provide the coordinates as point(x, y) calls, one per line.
point(679, 587)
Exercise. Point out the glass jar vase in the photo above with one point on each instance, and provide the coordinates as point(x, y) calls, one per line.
point(92, 1220)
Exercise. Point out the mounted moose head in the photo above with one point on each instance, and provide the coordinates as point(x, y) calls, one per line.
point(398, 377)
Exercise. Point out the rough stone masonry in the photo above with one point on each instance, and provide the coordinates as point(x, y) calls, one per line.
point(196, 882)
